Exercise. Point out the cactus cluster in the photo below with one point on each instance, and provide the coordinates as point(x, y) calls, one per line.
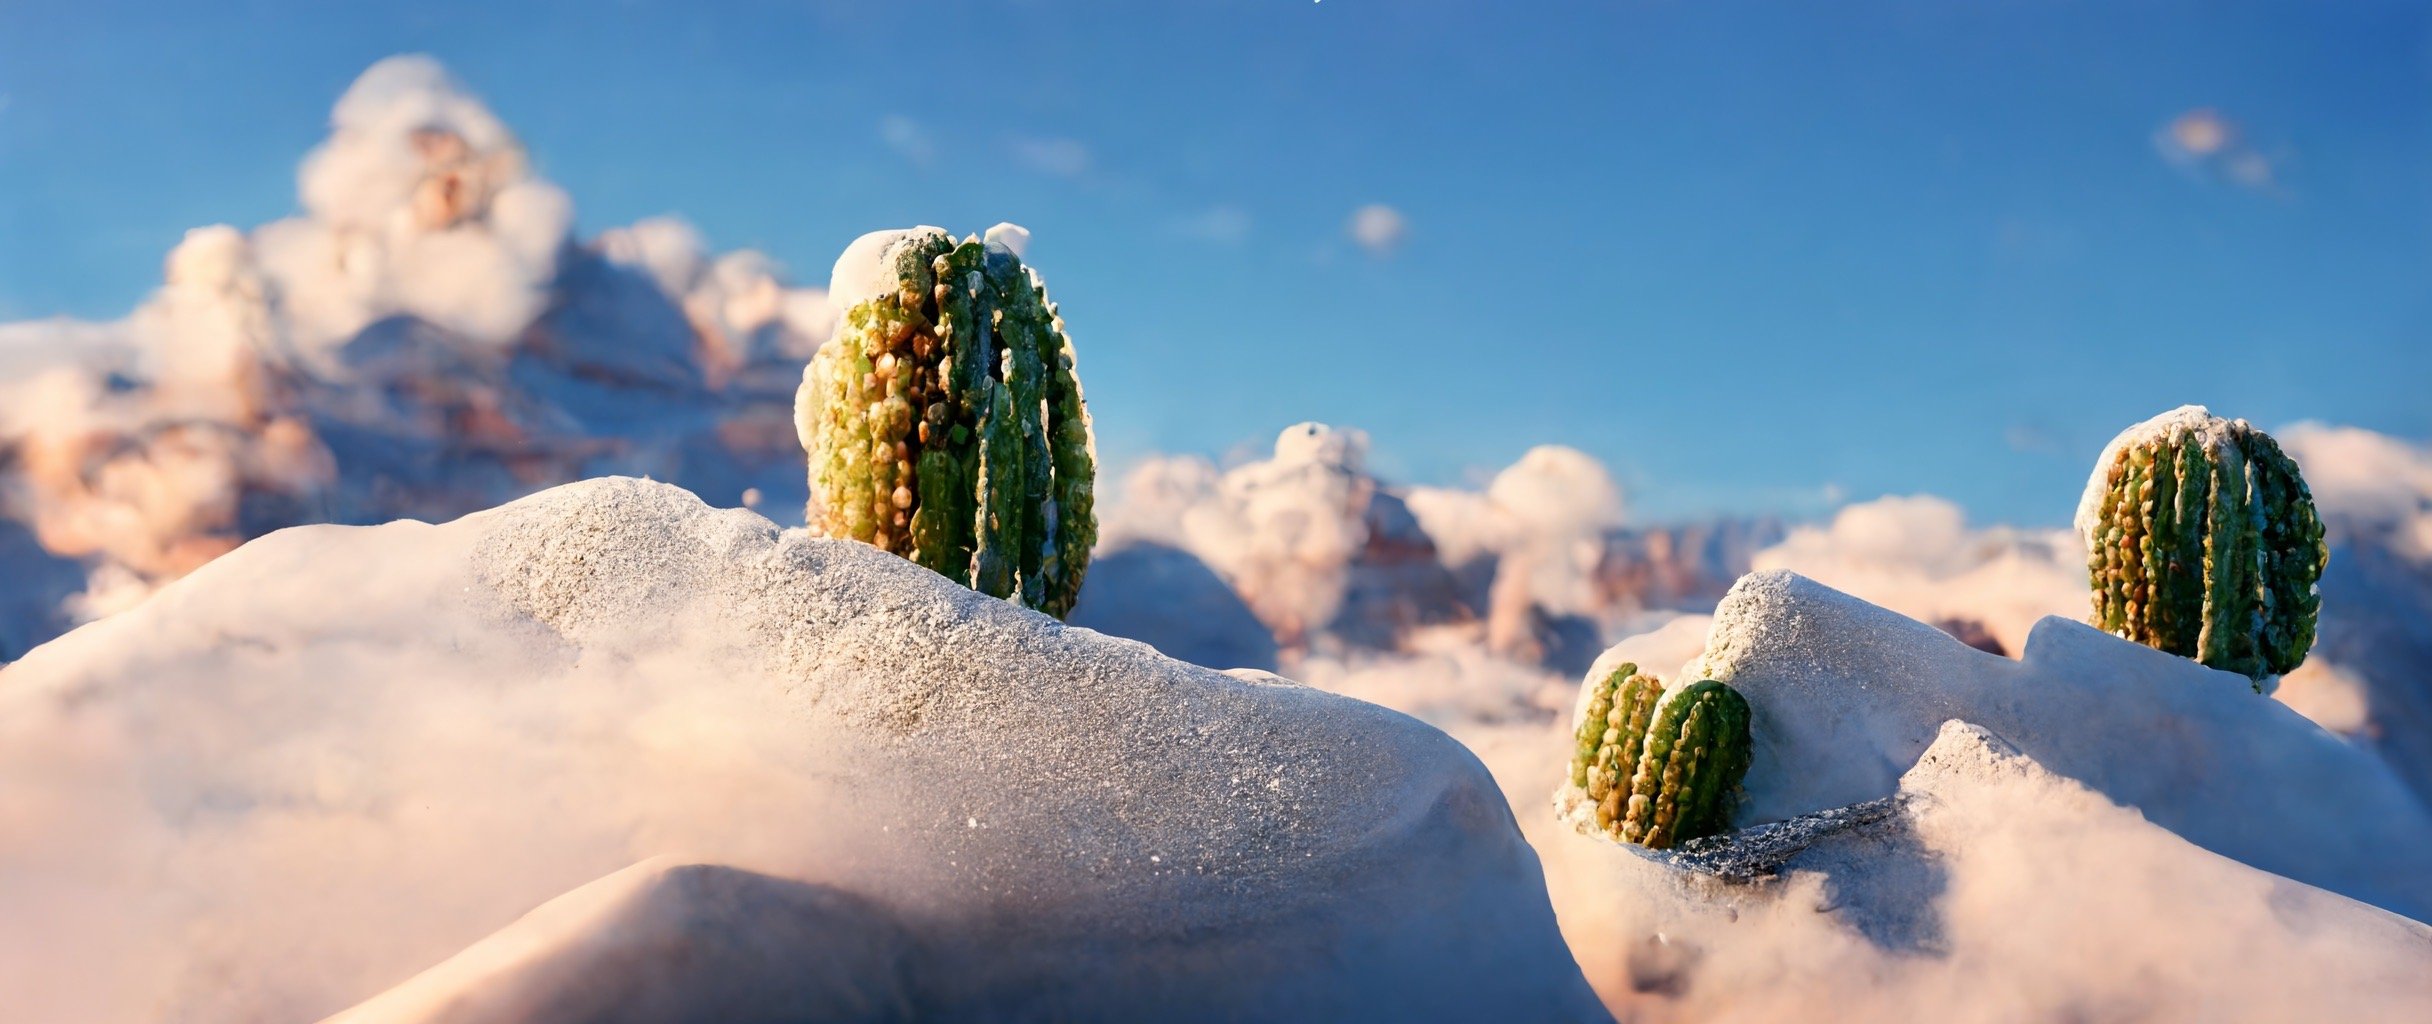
point(2202, 540)
point(1660, 771)
point(945, 424)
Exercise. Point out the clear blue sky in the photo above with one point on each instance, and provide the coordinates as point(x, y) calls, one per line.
point(1742, 252)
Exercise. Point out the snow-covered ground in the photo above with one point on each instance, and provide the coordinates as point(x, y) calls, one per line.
point(331, 760)
point(704, 747)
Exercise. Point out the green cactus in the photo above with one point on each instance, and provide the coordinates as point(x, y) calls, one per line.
point(2202, 540)
point(1660, 772)
point(949, 426)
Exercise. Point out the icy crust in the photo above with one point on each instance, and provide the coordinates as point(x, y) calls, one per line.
point(2186, 419)
point(1846, 696)
point(361, 749)
point(867, 269)
point(1741, 856)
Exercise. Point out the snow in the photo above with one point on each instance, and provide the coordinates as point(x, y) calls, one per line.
point(339, 755)
point(866, 270)
point(670, 940)
point(1982, 886)
point(1918, 556)
point(1977, 890)
point(1011, 237)
point(1846, 695)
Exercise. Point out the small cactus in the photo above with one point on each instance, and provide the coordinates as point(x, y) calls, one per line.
point(945, 424)
point(2202, 540)
point(1660, 772)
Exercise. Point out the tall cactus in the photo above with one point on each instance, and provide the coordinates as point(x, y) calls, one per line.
point(2202, 540)
point(945, 423)
point(1661, 771)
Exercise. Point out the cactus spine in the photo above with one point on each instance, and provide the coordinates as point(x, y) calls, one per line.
point(1661, 771)
point(2202, 540)
point(945, 424)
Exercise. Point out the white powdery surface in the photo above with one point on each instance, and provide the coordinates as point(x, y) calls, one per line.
point(337, 756)
point(1993, 890)
point(1846, 695)
point(1999, 891)
point(666, 940)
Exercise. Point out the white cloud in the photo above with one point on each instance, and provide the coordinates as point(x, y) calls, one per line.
point(2368, 479)
point(1056, 157)
point(908, 139)
point(1282, 531)
point(1916, 555)
point(1378, 228)
point(1224, 225)
point(2209, 145)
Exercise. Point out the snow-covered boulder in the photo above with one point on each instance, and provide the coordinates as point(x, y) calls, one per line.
point(1847, 695)
point(336, 756)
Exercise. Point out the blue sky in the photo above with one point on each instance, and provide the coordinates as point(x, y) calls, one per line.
point(1754, 256)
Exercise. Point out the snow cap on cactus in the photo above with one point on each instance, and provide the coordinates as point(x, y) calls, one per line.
point(944, 420)
point(2202, 540)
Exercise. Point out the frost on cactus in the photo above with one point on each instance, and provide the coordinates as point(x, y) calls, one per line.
point(2202, 540)
point(944, 421)
point(1660, 771)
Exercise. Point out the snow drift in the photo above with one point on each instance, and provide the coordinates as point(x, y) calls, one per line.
point(338, 755)
point(1984, 887)
point(1848, 695)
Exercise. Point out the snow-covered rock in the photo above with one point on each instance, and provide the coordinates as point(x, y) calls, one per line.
point(1847, 695)
point(339, 755)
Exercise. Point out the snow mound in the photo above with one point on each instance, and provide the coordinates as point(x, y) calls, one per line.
point(337, 755)
point(665, 940)
point(1847, 695)
point(1984, 888)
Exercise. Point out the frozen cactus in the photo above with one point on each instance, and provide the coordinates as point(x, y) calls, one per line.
point(944, 420)
point(2202, 540)
point(1660, 771)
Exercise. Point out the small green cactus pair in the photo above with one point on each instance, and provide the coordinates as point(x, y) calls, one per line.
point(1661, 772)
point(2202, 540)
point(945, 424)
